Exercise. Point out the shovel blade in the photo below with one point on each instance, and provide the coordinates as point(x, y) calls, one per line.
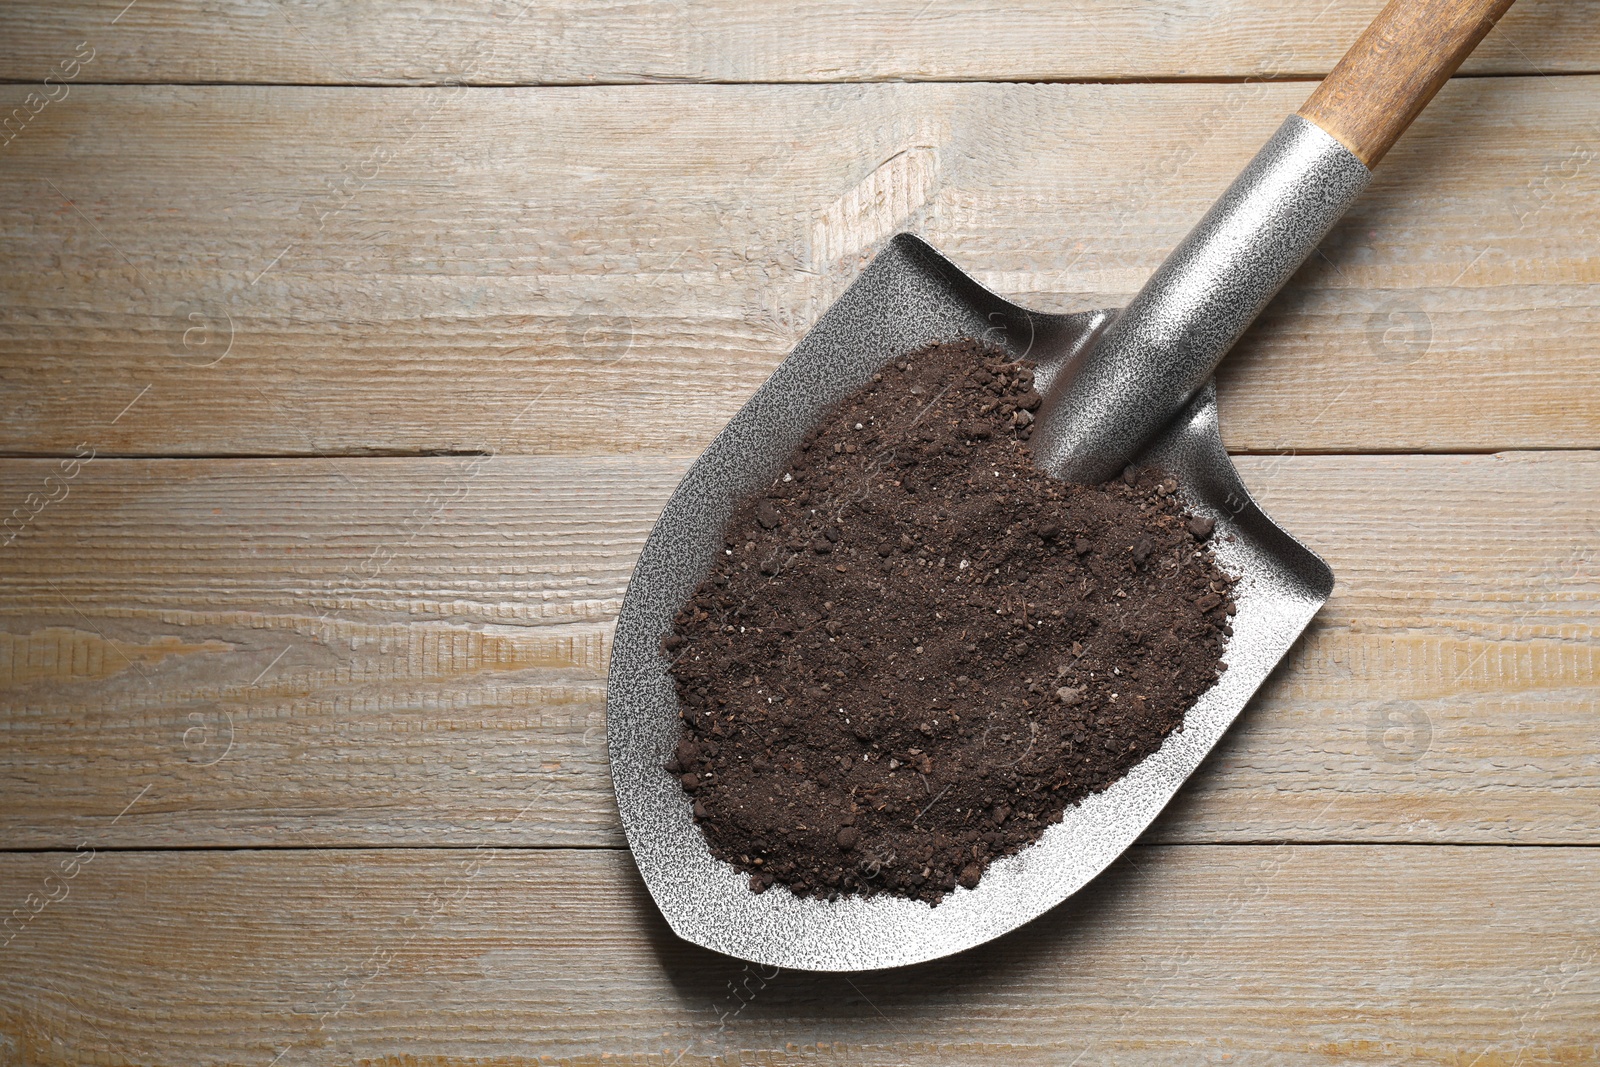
point(909, 297)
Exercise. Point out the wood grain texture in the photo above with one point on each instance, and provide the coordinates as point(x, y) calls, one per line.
point(416, 42)
point(202, 655)
point(1394, 69)
point(304, 270)
point(402, 651)
point(1178, 955)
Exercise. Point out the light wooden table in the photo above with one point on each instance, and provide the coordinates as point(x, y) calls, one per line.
point(338, 398)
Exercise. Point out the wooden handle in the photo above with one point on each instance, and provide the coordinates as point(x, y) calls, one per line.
point(1392, 71)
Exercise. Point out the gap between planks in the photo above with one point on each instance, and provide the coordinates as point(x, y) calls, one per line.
point(668, 83)
point(476, 453)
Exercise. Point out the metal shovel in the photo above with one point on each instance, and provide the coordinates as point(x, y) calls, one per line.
point(1120, 385)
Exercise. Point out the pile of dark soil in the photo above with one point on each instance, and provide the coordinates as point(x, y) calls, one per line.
point(917, 650)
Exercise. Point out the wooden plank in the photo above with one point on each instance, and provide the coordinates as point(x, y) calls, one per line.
point(314, 270)
point(1306, 955)
point(547, 42)
point(402, 651)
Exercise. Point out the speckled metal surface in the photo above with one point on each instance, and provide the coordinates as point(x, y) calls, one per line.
point(910, 296)
point(1149, 362)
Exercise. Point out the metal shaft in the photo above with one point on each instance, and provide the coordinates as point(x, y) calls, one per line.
point(1157, 353)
